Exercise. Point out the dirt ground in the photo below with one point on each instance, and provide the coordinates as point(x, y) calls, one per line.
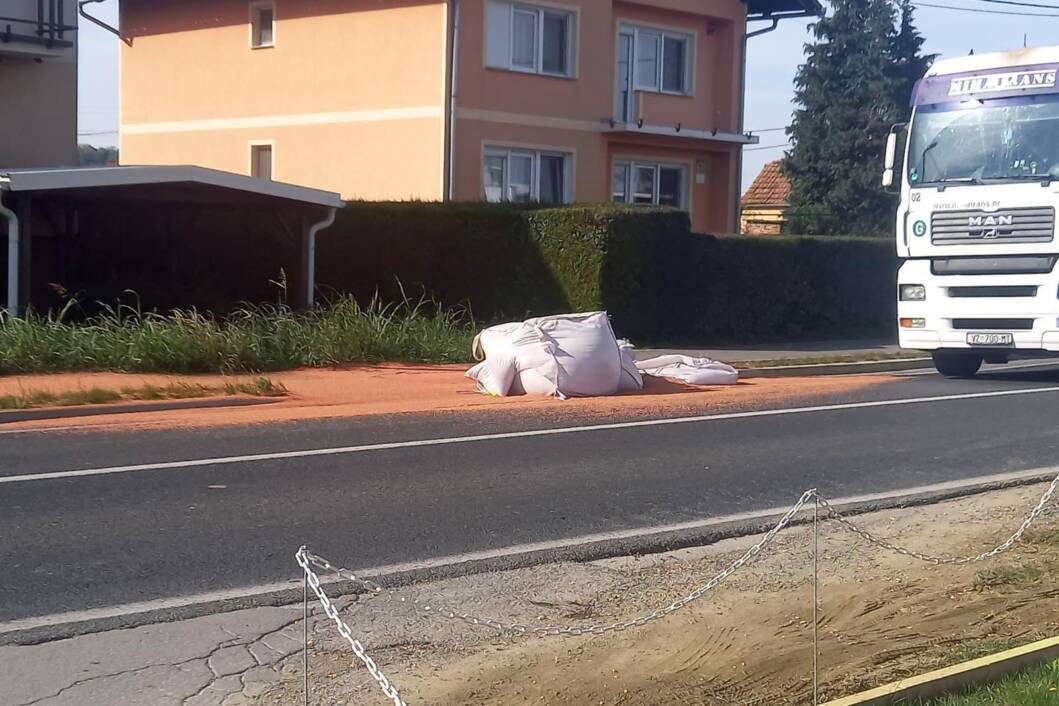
point(882, 617)
point(392, 388)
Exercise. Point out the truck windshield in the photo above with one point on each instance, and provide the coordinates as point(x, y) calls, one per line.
point(1003, 139)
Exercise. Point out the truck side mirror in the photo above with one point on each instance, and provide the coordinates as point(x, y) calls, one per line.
point(894, 141)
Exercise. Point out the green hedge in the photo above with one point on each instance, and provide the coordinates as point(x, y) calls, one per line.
point(660, 282)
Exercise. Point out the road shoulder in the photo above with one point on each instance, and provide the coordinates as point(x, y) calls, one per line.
point(873, 603)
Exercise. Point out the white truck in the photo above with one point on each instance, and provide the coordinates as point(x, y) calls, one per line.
point(977, 168)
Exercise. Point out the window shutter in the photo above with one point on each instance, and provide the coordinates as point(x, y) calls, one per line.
point(498, 34)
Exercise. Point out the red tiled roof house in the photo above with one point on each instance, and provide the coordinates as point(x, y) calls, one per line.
point(766, 202)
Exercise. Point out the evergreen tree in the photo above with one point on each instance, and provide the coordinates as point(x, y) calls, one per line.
point(852, 87)
point(909, 64)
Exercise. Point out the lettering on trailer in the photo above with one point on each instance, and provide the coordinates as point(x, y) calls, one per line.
point(1002, 82)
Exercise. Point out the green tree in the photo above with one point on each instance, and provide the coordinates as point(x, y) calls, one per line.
point(852, 87)
point(909, 63)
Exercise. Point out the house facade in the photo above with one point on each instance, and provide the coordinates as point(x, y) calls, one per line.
point(38, 83)
point(634, 101)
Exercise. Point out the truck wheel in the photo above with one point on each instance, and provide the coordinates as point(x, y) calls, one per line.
point(957, 365)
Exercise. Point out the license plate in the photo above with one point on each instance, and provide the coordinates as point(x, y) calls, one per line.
point(990, 339)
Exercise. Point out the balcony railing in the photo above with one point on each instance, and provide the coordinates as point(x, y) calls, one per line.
point(46, 26)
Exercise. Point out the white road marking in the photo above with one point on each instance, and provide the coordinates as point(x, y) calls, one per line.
point(126, 609)
point(342, 450)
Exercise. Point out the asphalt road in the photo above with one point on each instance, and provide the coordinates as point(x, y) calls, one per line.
point(83, 542)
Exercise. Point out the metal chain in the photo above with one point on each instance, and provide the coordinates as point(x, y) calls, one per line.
point(321, 563)
point(597, 629)
point(307, 559)
point(999, 549)
point(358, 649)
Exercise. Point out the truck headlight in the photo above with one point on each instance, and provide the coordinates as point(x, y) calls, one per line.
point(913, 293)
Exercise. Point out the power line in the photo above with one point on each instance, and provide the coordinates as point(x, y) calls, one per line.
point(766, 147)
point(1022, 4)
point(768, 129)
point(918, 3)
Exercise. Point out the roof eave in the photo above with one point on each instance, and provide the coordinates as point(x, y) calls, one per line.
point(102, 177)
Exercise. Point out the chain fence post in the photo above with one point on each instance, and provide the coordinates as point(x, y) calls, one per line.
point(305, 634)
point(816, 597)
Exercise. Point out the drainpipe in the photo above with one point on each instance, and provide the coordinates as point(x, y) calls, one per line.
point(453, 78)
point(310, 265)
point(742, 117)
point(12, 256)
point(98, 22)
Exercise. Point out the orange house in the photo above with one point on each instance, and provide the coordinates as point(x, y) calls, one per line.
point(635, 101)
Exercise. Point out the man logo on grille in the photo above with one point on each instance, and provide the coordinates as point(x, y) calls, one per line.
point(987, 226)
point(989, 221)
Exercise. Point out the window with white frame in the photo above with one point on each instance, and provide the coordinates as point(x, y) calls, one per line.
point(660, 61)
point(652, 183)
point(523, 176)
point(530, 38)
point(262, 24)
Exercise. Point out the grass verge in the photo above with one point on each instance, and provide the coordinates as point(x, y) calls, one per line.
point(1036, 687)
point(258, 387)
point(252, 339)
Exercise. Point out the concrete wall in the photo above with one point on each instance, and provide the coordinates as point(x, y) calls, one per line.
point(38, 101)
point(762, 220)
point(351, 95)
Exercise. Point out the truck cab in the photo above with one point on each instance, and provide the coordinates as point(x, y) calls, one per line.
point(977, 169)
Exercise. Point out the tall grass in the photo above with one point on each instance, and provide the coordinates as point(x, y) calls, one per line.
point(253, 338)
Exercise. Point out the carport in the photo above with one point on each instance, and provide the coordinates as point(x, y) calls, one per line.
point(54, 220)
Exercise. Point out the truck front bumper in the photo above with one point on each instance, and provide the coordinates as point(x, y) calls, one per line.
point(949, 313)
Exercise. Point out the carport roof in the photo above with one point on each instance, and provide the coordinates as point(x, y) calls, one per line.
point(768, 9)
point(119, 179)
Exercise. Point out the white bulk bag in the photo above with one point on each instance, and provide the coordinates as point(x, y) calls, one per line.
point(694, 371)
point(570, 355)
point(494, 375)
point(630, 374)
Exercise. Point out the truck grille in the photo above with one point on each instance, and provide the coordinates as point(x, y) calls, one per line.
point(1002, 265)
point(993, 324)
point(1008, 225)
point(994, 291)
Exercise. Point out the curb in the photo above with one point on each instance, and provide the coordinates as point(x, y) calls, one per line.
point(956, 677)
point(844, 368)
point(29, 415)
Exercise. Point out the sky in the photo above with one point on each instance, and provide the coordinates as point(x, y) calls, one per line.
point(772, 61)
